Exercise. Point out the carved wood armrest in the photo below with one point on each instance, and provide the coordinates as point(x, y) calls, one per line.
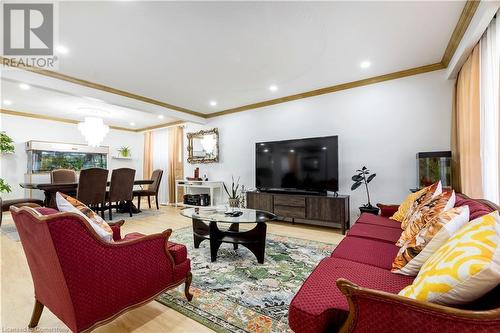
point(378, 310)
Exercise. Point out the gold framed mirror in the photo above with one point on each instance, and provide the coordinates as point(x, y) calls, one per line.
point(203, 146)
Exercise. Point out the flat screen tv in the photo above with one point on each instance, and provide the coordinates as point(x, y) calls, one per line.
point(303, 165)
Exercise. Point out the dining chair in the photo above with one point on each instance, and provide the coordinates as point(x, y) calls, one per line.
point(151, 190)
point(92, 188)
point(120, 189)
point(61, 176)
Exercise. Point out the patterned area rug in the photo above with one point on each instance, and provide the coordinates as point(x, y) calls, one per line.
point(236, 294)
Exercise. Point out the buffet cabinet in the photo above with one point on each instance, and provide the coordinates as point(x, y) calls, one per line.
point(330, 211)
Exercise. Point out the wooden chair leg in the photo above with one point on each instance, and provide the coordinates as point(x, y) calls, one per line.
point(102, 208)
point(189, 278)
point(110, 214)
point(149, 201)
point(37, 312)
point(129, 204)
point(138, 203)
point(156, 199)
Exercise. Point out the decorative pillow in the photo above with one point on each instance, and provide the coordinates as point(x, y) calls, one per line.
point(406, 204)
point(425, 195)
point(426, 212)
point(415, 252)
point(465, 268)
point(65, 203)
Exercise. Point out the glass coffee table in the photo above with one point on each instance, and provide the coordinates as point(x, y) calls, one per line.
point(206, 226)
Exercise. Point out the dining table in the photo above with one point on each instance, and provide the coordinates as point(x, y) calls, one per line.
point(70, 189)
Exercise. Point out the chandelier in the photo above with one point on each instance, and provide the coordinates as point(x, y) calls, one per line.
point(94, 130)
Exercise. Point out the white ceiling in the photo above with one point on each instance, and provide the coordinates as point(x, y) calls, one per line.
point(53, 103)
point(189, 53)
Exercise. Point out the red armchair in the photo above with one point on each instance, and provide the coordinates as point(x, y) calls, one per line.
point(85, 281)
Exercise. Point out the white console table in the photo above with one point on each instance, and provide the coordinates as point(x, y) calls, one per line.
point(190, 184)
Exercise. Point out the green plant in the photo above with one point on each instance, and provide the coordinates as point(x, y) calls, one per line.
point(234, 188)
point(4, 187)
point(361, 178)
point(124, 151)
point(6, 143)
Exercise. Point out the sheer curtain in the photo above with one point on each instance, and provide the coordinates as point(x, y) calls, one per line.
point(147, 167)
point(490, 74)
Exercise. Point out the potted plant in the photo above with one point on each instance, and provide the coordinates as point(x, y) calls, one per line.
point(363, 177)
point(234, 197)
point(6, 147)
point(124, 151)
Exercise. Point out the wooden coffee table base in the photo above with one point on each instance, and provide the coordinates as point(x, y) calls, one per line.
point(254, 239)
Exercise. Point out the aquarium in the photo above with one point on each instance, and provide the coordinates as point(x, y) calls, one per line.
point(432, 167)
point(48, 156)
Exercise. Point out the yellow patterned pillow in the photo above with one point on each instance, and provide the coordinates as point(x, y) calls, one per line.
point(465, 268)
point(405, 205)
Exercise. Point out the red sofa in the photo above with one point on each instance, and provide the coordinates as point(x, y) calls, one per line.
point(365, 298)
point(85, 281)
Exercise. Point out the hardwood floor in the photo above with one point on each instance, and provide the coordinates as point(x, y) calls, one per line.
point(17, 289)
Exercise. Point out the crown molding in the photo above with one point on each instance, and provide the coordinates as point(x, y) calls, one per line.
point(165, 125)
point(468, 12)
point(9, 61)
point(58, 119)
point(331, 89)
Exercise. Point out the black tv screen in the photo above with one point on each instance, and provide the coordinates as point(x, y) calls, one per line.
point(305, 164)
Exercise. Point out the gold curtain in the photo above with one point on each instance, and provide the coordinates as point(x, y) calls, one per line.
point(175, 160)
point(466, 138)
point(147, 168)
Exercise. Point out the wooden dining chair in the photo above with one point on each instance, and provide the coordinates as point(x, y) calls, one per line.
point(92, 188)
point(152, 190)
point(120, 189)
point(61, 176)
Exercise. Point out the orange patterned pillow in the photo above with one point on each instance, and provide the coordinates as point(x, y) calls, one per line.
point(425, 196)
point(65, 203)
point(426, 213)
point(415, 252)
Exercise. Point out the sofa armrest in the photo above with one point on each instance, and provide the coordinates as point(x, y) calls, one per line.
point(387, 210)
point(116, 228)
point(377, 311)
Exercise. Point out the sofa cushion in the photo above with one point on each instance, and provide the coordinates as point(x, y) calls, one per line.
point(379, 220)
point(366, 251)
point(320, 306)
point(476, 208)
point(371, 231)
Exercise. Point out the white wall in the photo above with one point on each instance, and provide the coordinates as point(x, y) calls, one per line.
point(22, 129)
point(381, 126)
point(160, 161)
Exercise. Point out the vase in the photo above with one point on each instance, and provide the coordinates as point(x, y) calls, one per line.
point(234, 202)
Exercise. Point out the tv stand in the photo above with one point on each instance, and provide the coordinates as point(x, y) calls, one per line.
point(325, 210)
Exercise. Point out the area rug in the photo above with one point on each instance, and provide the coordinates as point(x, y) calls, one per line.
point(236, 294)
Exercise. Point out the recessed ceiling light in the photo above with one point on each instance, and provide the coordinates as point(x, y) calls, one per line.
point(273, 87)
point(160, 116)
point(213, 103)
point(365, 64)
point(61, 49)
point(292, 150)
point(324, 148)
point(266, 150)
point(7, 102)
point(131, 123)
point(24, 86)
point(262, 144)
